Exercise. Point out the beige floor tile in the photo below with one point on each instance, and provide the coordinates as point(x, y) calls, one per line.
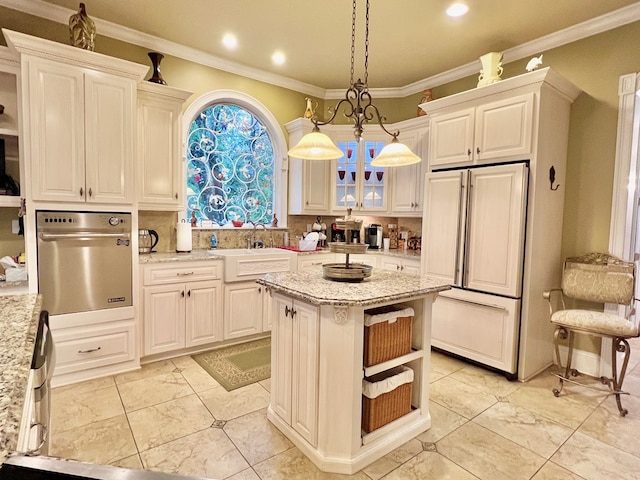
point(488, 455)
point(486, 381)
point(460, 397)
point(74, 407)
point(606, 425)
point(255, 436)
point(524, 427)
point(133, 462)
point(443, 422)
point(571, 408)
point(184, 362)
point(266, 384)
point(101, 442)
point(208, 453)
point(551, 471)
point(199, 379)
point(146, 371)
point(293, 465)
point(150, 391)
point(87, 386)
point(393, 460)
point(247, 474)
point(594, 460)
point(445, 364)
point(435, 376)
point(429, 465)
point(225, 405)
point(153, 426)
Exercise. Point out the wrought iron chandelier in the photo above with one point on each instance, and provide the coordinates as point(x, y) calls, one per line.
point(360, 109)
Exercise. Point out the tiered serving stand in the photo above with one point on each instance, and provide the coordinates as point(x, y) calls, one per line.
point(347, 272)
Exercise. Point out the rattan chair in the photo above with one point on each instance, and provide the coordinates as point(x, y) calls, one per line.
point(601, 278)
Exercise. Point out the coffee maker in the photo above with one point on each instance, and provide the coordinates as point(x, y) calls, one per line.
point(373, 236)
point(337, 235)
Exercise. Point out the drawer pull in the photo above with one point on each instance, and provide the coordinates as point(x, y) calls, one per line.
point(185, 274)
point(91, 350)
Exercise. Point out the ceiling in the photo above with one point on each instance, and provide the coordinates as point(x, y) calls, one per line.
point(410, 40)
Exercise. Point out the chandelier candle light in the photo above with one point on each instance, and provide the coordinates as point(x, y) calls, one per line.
point(360, 109)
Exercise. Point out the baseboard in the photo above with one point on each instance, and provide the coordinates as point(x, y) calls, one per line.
point(583, 361)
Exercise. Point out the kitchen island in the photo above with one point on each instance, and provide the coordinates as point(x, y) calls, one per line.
point(317, 366)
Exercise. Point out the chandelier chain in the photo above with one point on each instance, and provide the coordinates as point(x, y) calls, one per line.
point(353, 39)
point(366, 48)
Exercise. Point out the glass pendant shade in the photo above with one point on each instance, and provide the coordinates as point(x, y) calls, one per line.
point(316, 146)
point(395, 154)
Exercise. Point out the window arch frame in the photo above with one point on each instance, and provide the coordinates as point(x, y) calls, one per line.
point(262, 113)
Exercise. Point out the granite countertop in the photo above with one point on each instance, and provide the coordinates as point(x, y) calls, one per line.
point(163, 257)
point(381, 287)
point(197, 255)
point(19, 316)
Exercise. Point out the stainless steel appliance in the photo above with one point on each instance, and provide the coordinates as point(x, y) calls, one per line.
point(84, 260)
point(35, 439)
point(147, 240)
point(373, 236)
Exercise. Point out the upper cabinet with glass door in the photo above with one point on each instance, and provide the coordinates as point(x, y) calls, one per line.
point(358, 184)
point(9, 145)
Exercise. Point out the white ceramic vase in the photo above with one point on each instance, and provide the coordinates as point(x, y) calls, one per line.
point(491, 68)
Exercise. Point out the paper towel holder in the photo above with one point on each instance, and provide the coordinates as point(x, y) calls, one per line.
point(183, 237)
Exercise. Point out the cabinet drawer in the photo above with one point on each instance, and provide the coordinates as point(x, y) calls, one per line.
point(182, 272)
point(85, 348)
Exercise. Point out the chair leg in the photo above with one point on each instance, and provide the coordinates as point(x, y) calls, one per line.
point(563, 333)
point(622, 346)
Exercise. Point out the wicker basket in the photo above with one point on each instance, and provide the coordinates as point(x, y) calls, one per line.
point(387, 334)
point(391, 392)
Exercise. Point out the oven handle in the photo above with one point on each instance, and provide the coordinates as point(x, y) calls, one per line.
point(67, 236)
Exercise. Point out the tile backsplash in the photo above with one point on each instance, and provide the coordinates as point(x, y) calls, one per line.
point(164, 223)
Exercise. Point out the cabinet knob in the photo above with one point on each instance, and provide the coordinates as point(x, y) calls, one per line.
point(293, 312)
point(469, 152)
point(182, 293)
point(81, 192)
point(188, 293)
point(478, 150)
point(90, 192)
point(397, 267)
point(176, 195)
point(286, 310)
point(259, 289)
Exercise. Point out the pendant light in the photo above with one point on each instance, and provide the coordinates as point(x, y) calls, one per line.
point(360, 109)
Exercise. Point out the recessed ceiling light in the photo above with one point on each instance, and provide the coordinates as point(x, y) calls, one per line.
point(457, 10)
point(230, 41)
point(278, 58)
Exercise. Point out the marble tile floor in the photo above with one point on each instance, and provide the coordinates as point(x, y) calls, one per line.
point(171, 416)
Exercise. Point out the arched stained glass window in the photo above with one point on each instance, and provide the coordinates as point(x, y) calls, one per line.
point(230, 166)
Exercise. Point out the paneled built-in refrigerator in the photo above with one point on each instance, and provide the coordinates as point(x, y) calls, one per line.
point(474, 238)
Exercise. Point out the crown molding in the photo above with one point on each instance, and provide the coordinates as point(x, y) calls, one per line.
point(609, 21)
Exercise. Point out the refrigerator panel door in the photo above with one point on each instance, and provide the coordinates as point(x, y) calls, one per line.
point(443, 217)
point(481, 327)
point(496, 226)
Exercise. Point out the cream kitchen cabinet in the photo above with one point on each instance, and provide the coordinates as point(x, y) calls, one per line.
point(182, 305)
point(400, 264)
point(295, 364)
point(309, 181)
point(79, 110)
point(244, 305)
point(314, 261)
point(159, 166)
point(500, 129)
point(407, 182)
point(356, 183)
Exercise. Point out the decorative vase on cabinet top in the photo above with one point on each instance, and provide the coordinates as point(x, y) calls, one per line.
point(156, 76)
point(82, 30)
point(491, 68)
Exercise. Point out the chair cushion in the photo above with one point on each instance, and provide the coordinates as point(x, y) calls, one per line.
point(596, 322)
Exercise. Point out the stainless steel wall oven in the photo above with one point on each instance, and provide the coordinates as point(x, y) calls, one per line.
point(84, 260)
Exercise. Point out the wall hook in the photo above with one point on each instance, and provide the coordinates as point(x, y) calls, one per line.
point(552, 178)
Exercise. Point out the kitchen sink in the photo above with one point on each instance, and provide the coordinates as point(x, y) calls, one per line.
point(242, 264)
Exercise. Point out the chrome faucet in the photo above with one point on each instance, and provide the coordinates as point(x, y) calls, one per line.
point(253, 233)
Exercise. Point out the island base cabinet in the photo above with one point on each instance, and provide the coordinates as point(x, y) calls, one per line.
point(243, 309)
point(316, 381)
point(294, 357)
